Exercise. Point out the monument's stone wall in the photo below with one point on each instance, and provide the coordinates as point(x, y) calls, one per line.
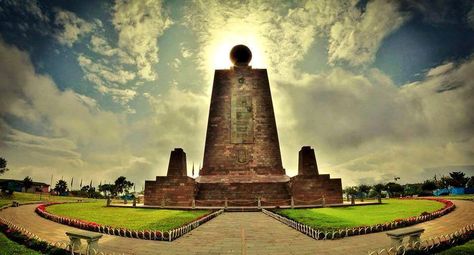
point(309, 190)
point(170, 190)
point(243, 194)
point(241, 133)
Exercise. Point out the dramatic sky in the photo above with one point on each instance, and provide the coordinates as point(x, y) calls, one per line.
point(98, 89)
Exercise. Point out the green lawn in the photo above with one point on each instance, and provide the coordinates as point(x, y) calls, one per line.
point(131, 218)
point(11, 248)
point(354, 216)
point(465, 249)
point(30, 197)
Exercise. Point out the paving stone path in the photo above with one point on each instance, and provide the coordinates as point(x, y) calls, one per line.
point(241, 233)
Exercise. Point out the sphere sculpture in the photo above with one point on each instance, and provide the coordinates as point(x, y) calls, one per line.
point(240, 55)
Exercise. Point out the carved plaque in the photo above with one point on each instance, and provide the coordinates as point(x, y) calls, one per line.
point(241, 117)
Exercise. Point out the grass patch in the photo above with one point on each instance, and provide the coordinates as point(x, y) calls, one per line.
point(9, 247)
point(465, 249)
point(131, 218)
point(355, 216)
point(32, 197)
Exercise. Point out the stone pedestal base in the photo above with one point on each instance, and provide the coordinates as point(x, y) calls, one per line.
point(310, 189)
point(170, 191)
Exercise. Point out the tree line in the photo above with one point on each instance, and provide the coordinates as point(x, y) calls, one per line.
point(121, 186)
point(394, 189)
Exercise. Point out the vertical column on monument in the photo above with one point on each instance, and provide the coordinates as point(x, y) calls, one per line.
point(176, 188)
point(309, 187)
point(241, 136)
point(177, 164)
point(307, 164)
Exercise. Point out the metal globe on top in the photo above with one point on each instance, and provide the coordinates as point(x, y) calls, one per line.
point(240, 55)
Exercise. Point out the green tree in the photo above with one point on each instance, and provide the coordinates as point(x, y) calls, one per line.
point(429, 185)
point(122, 185)
point(27, 183)
point(61, 187)
point(363, 190)
point(3, 166)
point(470, 183)
point(458, 179)
point(412, 189)
point(350, 191)
point(108, 189)
point(379, 188)
point(394, 189)
point(444, 182)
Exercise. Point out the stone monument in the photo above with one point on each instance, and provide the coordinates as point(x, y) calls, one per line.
point(242, 161)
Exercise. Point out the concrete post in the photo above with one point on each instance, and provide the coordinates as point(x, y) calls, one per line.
point(194, 203)
point(352, 200)
point(134, 202)
point(259, 202)
point(292, 202)
point(324, 201)
point(225, 205)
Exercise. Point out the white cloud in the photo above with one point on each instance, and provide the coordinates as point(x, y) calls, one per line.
point(356, 37)
point(185, 52)
point(63, 128)
point(66, 134)
point(72, 27)
point(109, 74)
point(282, 34)
point(175, 64)
point(139, 24)
point(364, 125)
point(439, 70)
point(108, 79)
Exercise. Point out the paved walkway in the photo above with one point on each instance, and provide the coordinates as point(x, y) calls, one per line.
point(241, 233)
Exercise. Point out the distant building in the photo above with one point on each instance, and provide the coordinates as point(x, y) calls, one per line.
point(18, 186)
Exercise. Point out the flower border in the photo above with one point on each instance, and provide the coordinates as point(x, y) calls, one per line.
point(155, 235)
point(362, 230)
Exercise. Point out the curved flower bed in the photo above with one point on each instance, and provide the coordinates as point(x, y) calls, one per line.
point(344, 232)
point(124, 232)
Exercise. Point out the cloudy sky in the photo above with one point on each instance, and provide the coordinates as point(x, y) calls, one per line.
point(101, 89)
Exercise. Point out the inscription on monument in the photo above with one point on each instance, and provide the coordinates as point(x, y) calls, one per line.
point(241, 116)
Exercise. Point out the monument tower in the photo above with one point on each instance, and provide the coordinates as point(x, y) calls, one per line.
point(242, 161)
point(242, 157)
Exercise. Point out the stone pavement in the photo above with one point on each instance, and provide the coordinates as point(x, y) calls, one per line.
point(241, 233)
